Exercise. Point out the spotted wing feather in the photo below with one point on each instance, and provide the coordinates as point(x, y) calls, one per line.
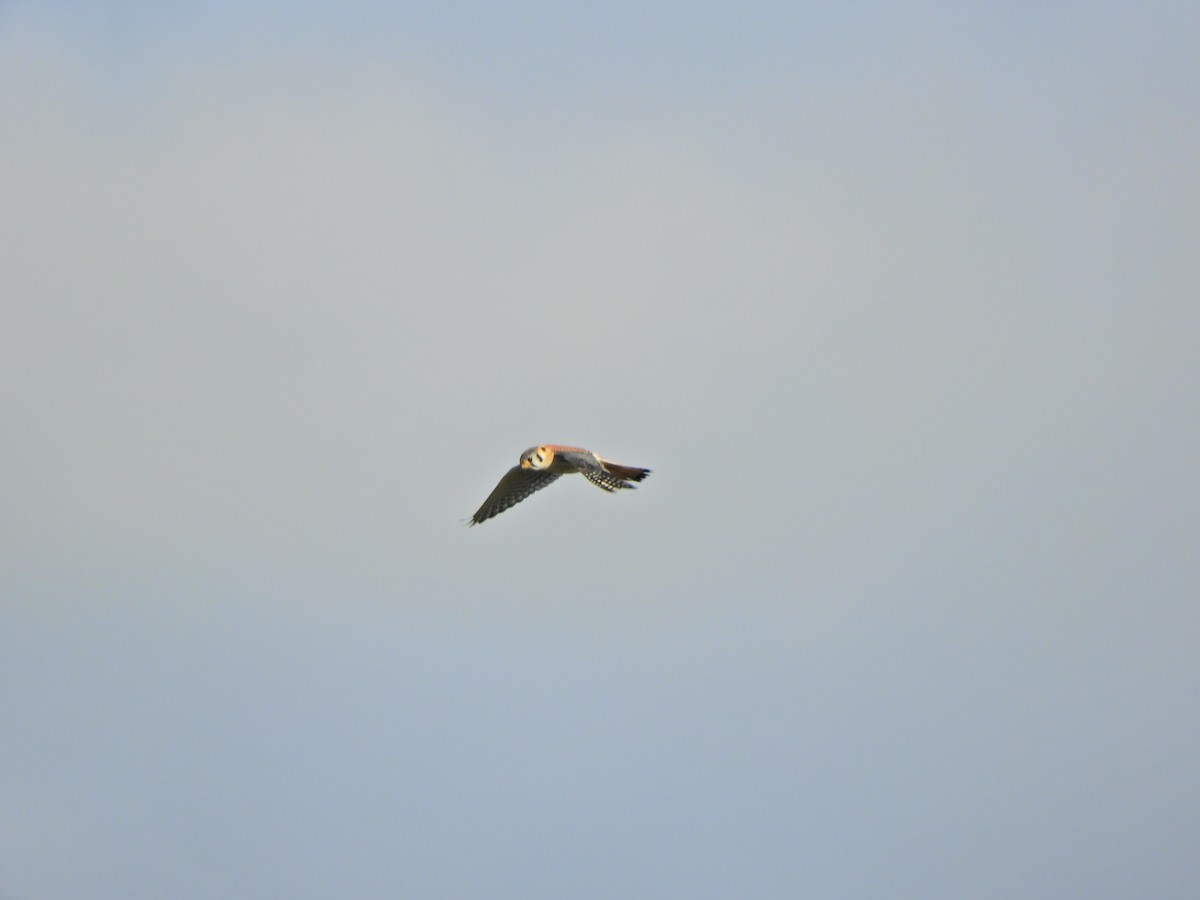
point(514, 487)
point(594, 471)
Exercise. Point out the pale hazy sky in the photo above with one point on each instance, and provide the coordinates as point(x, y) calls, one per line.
point(901, 305)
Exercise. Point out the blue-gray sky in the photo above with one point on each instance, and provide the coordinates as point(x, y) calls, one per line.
point(899, 304)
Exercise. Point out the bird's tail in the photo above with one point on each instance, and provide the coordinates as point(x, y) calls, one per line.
point(625, 473)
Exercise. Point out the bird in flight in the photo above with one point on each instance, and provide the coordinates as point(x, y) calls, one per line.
point(539, 466)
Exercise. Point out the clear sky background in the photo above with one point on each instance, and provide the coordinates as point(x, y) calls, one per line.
point(900, 303)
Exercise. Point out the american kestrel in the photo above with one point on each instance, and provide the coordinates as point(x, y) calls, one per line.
point(539, 466)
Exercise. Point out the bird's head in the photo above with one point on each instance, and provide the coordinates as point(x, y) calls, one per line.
point(537, 458)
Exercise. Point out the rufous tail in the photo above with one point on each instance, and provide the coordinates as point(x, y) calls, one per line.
point(628, 473)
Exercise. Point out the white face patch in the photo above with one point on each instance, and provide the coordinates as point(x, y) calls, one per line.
point(536, 458)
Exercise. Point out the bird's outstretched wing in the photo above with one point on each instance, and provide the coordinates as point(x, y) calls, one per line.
point(514, 487)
